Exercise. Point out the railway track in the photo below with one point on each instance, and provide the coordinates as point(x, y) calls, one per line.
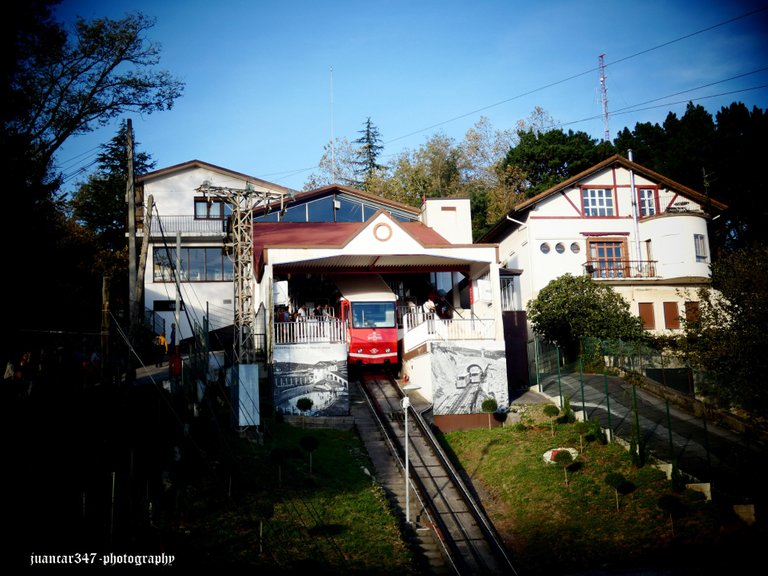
point(441, 501)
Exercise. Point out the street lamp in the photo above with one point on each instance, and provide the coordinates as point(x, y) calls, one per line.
point(406, 405)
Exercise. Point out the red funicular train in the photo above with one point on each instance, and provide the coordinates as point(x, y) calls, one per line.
point(367, 307)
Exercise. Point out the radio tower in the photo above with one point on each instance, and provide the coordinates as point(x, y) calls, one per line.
point(604, 95)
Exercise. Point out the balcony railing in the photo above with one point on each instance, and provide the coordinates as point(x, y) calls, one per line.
point(419, 327)
point(617, 269)
point(187, 225)
point(310, 331)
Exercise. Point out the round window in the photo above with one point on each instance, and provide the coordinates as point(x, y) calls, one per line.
point(575, 248)
point(559, 248)
point(545, 248)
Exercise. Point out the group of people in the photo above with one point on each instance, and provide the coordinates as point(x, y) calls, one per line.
point(436, 304)
point(319, 312)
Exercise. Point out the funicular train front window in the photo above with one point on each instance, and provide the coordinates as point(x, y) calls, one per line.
point(373, 314)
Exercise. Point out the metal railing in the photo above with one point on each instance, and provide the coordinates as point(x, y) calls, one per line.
point(187, 225)
point(617, 269)
point(308, 331)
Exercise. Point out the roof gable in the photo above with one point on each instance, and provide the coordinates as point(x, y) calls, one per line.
point(224, 172)
point(609, 163)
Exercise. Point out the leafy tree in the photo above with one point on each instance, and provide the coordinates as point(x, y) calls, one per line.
point(582, 427)
point(73, 86)
point(263, 509)
point(99, 203)
point(738, 142)
point(304, 405)
point(310, 444)
point(673, 506)
point(279, 455)
point(433, 171)
point(619, 484)
point(572, 307)
point(58, 86)
point(489, 406)
point(367, 154)
point(548, 158)
point(552, 412)
point(728, 338)
point(336, 166)
point(564, 458)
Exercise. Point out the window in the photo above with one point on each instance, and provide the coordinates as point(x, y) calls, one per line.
point(545, 248)
point(575, 248)
point(597, 202)
point(373, 315)
point(692, 312)
point(671, 316)
point(647, 202)
point(559, 248)
point(507, 293)
point(701, 247)
point(211, 209)
point(646, 315)
point(606, 259)
point(197, 265)
point(166, 306)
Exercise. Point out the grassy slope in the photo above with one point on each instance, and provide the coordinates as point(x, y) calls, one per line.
point(336, 521)
point(554, 528)
point(331, 520)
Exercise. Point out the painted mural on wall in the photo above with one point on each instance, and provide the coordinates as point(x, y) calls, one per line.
point(465, 374)
point(317, 371)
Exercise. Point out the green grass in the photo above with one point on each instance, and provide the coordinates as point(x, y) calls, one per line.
point(333, 520)
point(553, 528)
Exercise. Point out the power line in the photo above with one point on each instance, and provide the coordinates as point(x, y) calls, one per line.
point(578, 75)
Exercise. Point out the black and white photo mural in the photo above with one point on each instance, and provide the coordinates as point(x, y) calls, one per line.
point(318, 372)
point(465, 375)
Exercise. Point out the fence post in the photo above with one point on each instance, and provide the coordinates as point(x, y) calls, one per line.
point(536, 360)
point(559, 384)
point(669, 427)
point(608, 403)
point(581, 381)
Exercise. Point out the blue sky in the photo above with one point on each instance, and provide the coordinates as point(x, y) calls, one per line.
point(260, 96)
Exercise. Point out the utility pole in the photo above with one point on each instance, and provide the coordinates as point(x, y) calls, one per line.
point(133, 301)
point(242, 202)
point(604, 96)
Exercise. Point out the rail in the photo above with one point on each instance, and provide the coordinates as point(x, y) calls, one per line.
point(310, 331)
point(494, 558)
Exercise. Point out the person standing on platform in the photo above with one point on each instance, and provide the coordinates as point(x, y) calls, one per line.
point(161, 349)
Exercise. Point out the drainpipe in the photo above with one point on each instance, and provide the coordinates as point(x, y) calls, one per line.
point(635, 212)
point(529, 272)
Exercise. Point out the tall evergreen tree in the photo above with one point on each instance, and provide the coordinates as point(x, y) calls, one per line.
point(367, 154)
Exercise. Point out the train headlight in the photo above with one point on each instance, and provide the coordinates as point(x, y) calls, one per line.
point(359, 350)
point(387, 350)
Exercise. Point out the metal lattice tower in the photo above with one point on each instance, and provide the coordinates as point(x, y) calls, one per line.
point(604, 97)
point(242, 201)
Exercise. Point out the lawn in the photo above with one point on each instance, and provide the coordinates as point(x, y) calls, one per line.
point(271, 509)
point(274, 511)
point(554, 527)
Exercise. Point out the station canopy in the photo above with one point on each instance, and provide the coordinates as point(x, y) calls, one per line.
point(381, 245)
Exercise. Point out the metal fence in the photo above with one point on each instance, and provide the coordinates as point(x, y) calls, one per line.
point(652, 408)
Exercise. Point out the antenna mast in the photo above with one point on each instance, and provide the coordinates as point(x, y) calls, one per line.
point(333, 160)
point(604, 95)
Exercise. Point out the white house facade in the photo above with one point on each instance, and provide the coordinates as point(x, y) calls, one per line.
point(186, 229)
point(622, 224)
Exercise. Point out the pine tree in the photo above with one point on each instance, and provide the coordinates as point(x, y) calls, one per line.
point(367, 154)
